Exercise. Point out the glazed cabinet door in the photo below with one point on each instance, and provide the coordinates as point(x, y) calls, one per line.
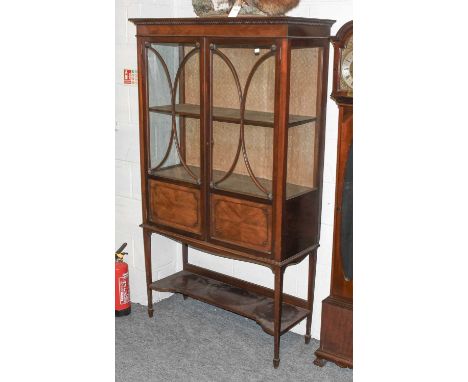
point(242, 111)
point(174, 134)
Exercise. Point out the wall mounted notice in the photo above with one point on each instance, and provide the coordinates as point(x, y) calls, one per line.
point(130, 77)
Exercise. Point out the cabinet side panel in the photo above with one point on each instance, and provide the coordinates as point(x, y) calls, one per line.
point(300, 231)
point(302, 101)
point(143, 133)
point(303, 212)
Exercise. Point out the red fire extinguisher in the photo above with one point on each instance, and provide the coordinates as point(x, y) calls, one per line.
point(122, 285)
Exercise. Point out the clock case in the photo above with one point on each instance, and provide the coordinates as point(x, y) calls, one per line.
point(336, 337)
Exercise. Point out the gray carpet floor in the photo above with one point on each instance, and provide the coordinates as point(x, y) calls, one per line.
point(192, 341)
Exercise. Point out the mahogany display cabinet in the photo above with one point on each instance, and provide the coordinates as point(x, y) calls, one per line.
point(232, 126)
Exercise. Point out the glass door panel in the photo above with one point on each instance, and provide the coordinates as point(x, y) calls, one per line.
point(174, 110)
point(302, 139)
point(243, 98)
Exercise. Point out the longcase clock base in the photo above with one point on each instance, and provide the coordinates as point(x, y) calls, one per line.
point(323, 357)
point(336, 339)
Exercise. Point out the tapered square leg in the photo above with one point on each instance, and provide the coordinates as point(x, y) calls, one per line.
point(278, 305)
point(184, 260)
point(149, 276)
point(310, 293)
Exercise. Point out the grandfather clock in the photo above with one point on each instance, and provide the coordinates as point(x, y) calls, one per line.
point(336, 337)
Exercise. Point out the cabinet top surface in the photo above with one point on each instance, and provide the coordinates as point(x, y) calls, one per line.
point(246, 26)
point(222, 20)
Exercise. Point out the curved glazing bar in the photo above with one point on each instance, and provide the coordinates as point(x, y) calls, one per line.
point(168, 77)
point(242, 112)
point(174, 136)
point(239, 90)
point(173, 100)
point(243, 100)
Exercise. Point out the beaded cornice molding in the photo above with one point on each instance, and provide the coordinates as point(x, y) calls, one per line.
point(232, 20)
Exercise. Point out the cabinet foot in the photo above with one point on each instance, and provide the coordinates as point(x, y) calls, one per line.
point(320, 362)
point(150, 312)
point(307, 339)
point(184, 296)
point(276, 363)
point(342, 365)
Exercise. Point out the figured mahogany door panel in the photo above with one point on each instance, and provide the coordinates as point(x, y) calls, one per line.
point(240, 222)
point(175, 206)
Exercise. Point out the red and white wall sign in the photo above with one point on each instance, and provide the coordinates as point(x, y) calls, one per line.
point(130, 77)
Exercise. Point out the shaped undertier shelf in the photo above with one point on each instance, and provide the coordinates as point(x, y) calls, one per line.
point(255, 306)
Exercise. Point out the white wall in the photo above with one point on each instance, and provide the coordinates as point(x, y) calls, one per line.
point(127, 157)
point(128, 203)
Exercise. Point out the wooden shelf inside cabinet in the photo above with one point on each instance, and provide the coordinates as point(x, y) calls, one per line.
point(224, 114)
point(235, 183)
point(237, 300)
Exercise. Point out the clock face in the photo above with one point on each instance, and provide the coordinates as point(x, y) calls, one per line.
point(343, 80)
point(347, 69)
